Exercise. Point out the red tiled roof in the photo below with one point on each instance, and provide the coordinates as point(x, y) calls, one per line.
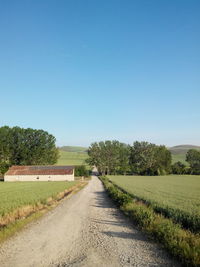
point(40, 170)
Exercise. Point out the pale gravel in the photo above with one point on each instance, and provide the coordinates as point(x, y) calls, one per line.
point(85, 230)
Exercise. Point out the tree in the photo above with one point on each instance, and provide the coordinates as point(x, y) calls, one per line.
point(5, 136)
point(163, 160)
point(179, 168)
point(149, 159)
point(193, 158)
point(124, 155)
point(110, 157)
point(81, 171)
point(20, 146)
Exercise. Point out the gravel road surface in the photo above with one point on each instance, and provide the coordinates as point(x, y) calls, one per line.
point(85, 230)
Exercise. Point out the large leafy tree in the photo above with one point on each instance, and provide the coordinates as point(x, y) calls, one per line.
point(149, 159)
point(110, 157)
point(179, 168)
point(193, 158)
point(20, 146)
point(124, 154)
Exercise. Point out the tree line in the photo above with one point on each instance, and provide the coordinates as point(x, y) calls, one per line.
point(193, 159)
point(19, 146)
point(142, 158)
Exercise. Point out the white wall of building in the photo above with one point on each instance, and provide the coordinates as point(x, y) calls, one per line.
point(30, 178)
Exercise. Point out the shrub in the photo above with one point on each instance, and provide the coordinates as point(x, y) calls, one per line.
point(178, 168)
point(179, 242)
point(3, 168)
point(81, 171)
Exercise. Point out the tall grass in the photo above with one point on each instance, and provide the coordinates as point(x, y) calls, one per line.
point(174, 196)
point(22, 202)
point(180, 243)
point(19, 194)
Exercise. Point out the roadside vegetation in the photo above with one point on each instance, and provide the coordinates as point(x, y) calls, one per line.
point(23, 199)
point(180, 243)
point(81, 171)
point(174, 196)
point(19, 194)
point(165, 206)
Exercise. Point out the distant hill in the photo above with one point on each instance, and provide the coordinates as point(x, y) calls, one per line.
point(76, 155)
point(179, 152)
point(72, 155)
point(73, 148)
point(182, 149)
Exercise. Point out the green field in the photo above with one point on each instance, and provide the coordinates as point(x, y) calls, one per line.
point(179, 157)
point(175, 195)
point(73, 148)
point(72, 158)
point(179, 152)
point(19, 194)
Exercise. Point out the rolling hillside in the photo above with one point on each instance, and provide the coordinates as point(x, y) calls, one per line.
point(73, 148)
point(179, 152)
point(76, 155)
point(72, 155)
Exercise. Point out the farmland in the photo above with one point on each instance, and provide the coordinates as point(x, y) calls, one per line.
point(179, 157)
point(72, 158)
point(179, 152)
point(176, 196)
point(75, 155)
point(17, 195)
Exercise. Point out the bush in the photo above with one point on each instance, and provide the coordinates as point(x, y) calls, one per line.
point(179, 242)
point(81, 171)
point(3, 168)
point(178, 168)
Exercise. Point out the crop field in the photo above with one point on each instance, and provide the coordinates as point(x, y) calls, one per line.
point(72, 158)
point(179, 153)
point(179, 157)
point(175, 196)
point(19, 194)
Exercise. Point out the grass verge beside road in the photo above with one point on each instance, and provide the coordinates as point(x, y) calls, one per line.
point(180, 243)
point(22, 202)
point(174, 196)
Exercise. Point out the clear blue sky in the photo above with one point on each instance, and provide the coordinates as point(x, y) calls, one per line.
point(102, 69)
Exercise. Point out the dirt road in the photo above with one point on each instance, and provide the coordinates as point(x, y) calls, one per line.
point(85, 230)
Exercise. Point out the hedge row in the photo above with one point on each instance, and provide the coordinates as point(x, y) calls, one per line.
point(186, 220)
point(180, 243)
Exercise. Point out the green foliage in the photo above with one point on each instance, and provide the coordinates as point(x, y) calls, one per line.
point(19, 194)
point(179, 157)
point(193, 158)
point(176, 197)
point(180, 243)
point(149, 159)
point(20, 146)
point(81, 171)
point(143, 215)
point(179, 168)
point(119, 196)
point(109, 157)
point(179, 153)
point(3, 168)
